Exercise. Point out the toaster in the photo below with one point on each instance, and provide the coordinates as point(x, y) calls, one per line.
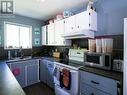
point(118, 65)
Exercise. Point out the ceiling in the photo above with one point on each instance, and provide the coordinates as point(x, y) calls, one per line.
point(47, 9)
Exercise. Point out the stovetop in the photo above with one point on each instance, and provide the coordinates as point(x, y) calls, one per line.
point(72, 63)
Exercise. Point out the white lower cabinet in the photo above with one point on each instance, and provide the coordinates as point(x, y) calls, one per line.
point(92, 84)
point(18, 71)
point(26, 72)
point(32, 74)
point(89, 90)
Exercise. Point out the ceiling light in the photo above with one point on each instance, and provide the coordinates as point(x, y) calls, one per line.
point(41, 0)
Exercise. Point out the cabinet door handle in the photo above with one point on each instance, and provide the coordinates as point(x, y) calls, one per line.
point(77, 26)
point(78, 53)
point(92, 93)
point(94, 82)
point(72, 28)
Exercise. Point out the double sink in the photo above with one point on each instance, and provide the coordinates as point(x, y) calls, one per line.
point(20, 58)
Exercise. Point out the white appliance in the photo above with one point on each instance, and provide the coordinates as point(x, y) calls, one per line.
point(76, 60)
point(118, 65)
point(77, 54)
point(99, 60)
point(125, 57)
point(74, 89)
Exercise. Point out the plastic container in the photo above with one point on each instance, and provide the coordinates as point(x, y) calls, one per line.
point(104, 45)
point(59, 16)
point(67, 14)
point(109, 46)
point(98, 45)
point(51, 21)
point(92, 45)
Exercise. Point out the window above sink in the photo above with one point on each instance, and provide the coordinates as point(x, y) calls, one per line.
point(17, 35)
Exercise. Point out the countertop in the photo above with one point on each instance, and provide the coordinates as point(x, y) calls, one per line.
point(106, 73)
point(8, 84)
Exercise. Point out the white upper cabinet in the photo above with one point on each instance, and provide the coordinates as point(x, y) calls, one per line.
point(59, 30)
point(93, 20)
point(44, 35)
point(70, 25)
point(82, 21)
point(81, 25)
point(51, 34)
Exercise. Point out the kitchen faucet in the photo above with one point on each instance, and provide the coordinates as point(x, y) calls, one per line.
point(20, 52)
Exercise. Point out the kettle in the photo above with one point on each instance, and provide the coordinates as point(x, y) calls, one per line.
point(118, 65)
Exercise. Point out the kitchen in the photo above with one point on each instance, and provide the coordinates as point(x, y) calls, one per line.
point(39, 43)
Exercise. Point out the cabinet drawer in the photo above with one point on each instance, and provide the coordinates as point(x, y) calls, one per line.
point(89, 90)
point(99, 82)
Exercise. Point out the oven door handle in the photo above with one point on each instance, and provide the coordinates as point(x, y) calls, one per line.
point(94, 82)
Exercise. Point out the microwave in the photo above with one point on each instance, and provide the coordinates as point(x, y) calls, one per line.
point(99, 60)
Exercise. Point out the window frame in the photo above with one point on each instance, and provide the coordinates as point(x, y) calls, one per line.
point(20, 25)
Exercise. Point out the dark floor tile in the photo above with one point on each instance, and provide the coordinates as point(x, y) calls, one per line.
point(38, 89)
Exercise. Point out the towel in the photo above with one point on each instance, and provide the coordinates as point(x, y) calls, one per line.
point(56, 75)
point(65, 79)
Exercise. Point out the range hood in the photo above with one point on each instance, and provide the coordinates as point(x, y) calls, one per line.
point(79, 34)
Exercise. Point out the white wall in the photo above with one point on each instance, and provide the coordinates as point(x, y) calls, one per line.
point(125, 56)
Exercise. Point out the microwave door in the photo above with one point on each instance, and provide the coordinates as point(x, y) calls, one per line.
point(93, 60)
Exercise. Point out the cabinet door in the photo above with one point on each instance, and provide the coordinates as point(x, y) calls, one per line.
point(59, 31)
point(93, 20)
point(82, 21)
point(51, 34)
point(18, 71)
point(43, 71)
point(70, 25)
point(32, 74)
point(44, 35)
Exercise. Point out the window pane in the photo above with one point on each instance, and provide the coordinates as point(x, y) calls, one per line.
point(25, 38)
point(17, 35)
point(12, 36)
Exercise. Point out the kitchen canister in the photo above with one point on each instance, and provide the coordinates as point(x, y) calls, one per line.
point(104, 45)
point(92, 45)
point(98, 45)
point(109, 46)
point(67, 13)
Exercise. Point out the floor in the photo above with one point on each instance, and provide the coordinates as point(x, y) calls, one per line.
point(38, 89)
